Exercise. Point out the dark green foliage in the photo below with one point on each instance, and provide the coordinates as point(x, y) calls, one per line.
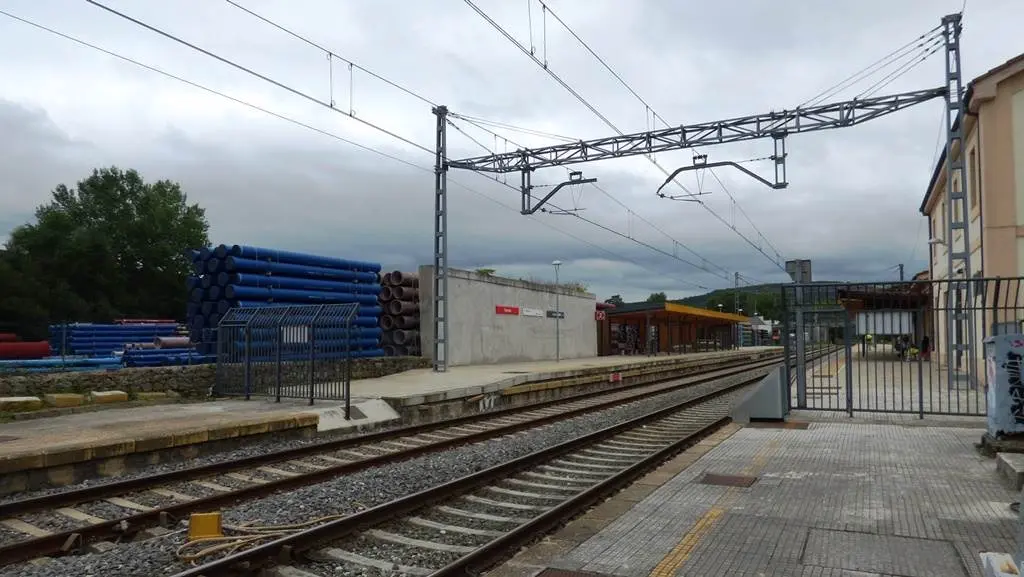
point(615, 300)
point(659, 297)
point(114, 246)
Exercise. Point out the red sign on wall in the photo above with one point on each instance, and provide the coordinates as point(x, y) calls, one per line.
point(506, 310)
point(600, 315)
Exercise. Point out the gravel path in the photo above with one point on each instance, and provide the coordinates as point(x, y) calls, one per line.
point(358, 491)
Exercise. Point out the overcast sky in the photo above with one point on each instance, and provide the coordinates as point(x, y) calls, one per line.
point(851, 205)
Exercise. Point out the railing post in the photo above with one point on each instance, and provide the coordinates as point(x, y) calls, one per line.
point(277, 359)
point(248, 361)
point(848, 329)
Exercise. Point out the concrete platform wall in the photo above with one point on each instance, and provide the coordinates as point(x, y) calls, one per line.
point(477, 335)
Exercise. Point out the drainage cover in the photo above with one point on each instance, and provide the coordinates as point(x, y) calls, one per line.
point(563, 573)
point(727, 480)
point(778, 424)
point(516, 372)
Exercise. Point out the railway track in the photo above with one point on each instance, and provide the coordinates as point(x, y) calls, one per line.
point(65, 522)
point(465, 526)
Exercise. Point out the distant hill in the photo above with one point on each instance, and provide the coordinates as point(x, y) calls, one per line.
point(720, 294)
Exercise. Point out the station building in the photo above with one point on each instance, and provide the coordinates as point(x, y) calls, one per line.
point(665, 327)
point(992, 157)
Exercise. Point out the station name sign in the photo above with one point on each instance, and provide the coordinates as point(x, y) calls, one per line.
point(527, 312)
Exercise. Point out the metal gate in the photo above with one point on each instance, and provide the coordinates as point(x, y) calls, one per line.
point(288, 351)
point(907, 347)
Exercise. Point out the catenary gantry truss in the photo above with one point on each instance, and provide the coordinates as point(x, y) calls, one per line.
point(777, 124)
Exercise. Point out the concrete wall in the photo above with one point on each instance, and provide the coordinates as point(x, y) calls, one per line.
point(477, 335)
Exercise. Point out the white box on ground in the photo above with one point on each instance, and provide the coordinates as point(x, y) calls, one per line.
point(999, 565)
point(1003, 355)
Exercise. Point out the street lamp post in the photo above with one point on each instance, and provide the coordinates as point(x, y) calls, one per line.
point(717, 338)
point(558, 312)
point(739, 330)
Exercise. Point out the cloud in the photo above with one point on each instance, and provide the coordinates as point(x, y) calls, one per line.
point(851, 204)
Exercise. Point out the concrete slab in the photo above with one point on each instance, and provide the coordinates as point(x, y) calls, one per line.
point(364, 412)
point(1011, 467)
point(423, 385)
point(834, 499)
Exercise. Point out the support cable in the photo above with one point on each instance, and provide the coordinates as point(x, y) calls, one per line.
point(332, 135)
point(903, 69)
point(332, 54)
point(872, 68)
point(263, 77)
point(607, 122)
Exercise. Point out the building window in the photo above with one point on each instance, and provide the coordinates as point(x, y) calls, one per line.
point(974, 178)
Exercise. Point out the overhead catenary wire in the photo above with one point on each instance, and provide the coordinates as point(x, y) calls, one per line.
point(588, 105)
point(265, 78)
point(305, 95)
point(339, 138)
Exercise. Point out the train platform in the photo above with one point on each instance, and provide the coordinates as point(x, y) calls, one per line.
point(65, 449)
point(832, 499)
point(423, 386)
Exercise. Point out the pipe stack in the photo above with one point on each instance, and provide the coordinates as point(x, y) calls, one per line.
point(236, 276)
point(400, 300)
point(104, 339)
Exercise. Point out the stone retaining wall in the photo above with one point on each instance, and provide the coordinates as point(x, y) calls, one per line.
point(189, 381)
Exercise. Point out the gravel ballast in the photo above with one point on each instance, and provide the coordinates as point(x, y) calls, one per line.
point(361, 490)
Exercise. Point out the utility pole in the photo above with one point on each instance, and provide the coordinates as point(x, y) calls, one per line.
point(901, 273)
point(441, 242)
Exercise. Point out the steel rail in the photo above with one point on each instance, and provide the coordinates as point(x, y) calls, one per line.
point(498, 549)
point(292, 546)
point(73, 539)
point(91, 493)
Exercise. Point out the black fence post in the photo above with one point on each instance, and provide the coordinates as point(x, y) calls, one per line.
point(248, 362)
point(277, 359)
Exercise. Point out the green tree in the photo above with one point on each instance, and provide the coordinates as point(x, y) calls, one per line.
point(615, 300)
point(113, 246)
point(658, 297)
point(764, 302)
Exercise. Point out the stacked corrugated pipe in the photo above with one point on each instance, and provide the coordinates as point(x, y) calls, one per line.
point(400, 300)
point(228, 277)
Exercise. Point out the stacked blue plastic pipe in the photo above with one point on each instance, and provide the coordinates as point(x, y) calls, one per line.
point(102, 339)
point(237, 276)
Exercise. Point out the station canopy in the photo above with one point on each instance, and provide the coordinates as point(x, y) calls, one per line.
point(669, 311)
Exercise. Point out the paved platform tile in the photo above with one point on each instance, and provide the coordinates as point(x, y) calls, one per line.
point(835, 499)
point(882, 553)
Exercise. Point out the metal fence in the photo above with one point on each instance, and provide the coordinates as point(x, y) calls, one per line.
point(907, 347)
point(300, 351)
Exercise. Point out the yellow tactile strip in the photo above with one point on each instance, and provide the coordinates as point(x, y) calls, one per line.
point(681, 552)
